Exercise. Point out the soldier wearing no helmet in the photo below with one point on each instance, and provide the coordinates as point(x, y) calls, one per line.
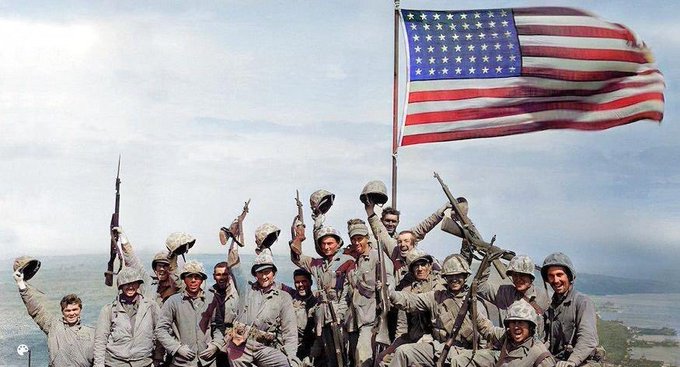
point(570, 321)
point(69, 343)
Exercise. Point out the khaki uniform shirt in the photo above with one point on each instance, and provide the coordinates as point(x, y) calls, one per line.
point(531, 353)
point(413, 325)
point(571, 322)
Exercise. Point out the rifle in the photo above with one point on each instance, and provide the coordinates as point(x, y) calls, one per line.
point(469, 303)
point(471, 236)
point(381, 300)
point(115, 249)
point(335, 322)
point(235, 230)
point(299, 218)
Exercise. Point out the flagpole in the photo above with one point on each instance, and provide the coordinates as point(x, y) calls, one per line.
point(395, 104)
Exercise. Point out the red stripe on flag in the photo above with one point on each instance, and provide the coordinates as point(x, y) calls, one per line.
point(526, 128)
point(516, 92)
point(532, 107)
point(573, 75)
point(574, 31)
point(584, 54)
point(549, 10)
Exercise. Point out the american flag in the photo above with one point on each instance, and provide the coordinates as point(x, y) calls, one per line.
point(496, 72)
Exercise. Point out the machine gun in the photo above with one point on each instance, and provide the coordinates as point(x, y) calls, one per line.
point(471, 236)
point(469, 304)
point(115, 249)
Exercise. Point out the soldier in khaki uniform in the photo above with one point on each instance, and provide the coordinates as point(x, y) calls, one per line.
point(68, 342)
point(188, 327)
point(265, 333)
point(362, 300)
point(330, 271)
point(519, 347)
point(503, 293)
point(304, 303)
point(226, 298)
point(125, 330)
point(412, 326)
point(443, 306)
point(570, 321)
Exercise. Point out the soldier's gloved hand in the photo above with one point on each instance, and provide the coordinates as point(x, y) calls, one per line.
point(444, 207)
point(565, 364)
point(19, 279)
point(121, 235)
point(208, 352)
point(185, 352)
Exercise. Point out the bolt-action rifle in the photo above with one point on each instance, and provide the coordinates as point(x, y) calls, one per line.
point(235, 230)
point(299, 218)
point(115, 249)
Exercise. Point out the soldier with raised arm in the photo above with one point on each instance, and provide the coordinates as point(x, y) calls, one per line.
point(69, 343)
point(329, 270)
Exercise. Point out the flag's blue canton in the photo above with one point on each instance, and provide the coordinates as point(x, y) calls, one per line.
point(462, 44)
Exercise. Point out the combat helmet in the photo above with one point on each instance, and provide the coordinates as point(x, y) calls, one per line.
point(321, 201)
point(558, 259)
point(415, 255)
point(375, 191)
point(263, 261)
point(29, 266)
point(521, 264)
point(193, 267)
point(128, 275)
point(323, 232)
point(455, 264)
point(521, 310)
point(266, 235)
point(179, 243)
point(160, 257)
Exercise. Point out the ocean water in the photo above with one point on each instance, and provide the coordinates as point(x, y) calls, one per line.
point(83, 275)
point(645, 310)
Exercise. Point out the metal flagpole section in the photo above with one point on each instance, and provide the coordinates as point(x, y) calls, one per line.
point(395, 104)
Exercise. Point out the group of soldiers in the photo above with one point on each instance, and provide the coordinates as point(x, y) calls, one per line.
point(377, 301)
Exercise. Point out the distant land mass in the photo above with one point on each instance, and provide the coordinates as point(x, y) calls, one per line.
point(602, 285)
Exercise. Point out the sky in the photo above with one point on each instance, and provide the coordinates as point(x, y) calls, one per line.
point(212, 103)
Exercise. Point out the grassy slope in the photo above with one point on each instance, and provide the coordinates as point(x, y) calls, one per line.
point(615, 337)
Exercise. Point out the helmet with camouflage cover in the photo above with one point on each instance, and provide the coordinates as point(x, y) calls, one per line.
point(193, 267)
point(160, 257)
point(27, 265)
point(521, 310)
point(558, 259)
point(128, 275)
point(376, 191)
point(321, 201)
point(263, 261)
point(455, 264)
point(323, 232)
point(521, 264)
point(266, 235)
point(179, 242)
point(415, 255)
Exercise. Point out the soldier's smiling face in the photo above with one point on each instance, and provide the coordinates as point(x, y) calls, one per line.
point(456, 282)
point(161, 270)
point(518, 330)
point(193, 283)
point(265, 277)
point(522, 282)
point(222, 277)
point(130, 289)
point(391, 221)
point(421, 269)
point(558, 279)
point(71, 313)
point(360, 244)
point(406, 242)
point(328, 246)
point(302, 285)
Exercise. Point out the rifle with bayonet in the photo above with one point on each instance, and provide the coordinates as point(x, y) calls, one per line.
point(115, 249)
point(382, 300)
point(471, 236)
point(469, 304)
